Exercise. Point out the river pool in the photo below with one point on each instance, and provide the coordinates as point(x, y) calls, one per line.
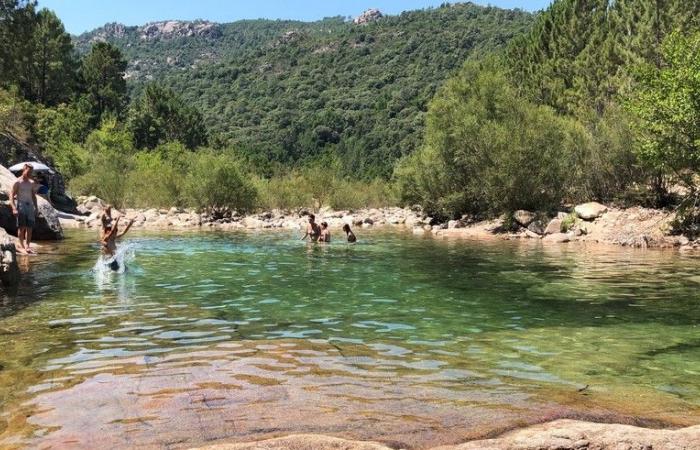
point(402, 339)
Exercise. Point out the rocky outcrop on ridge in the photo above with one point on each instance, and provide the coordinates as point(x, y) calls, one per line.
point(371, 15)
point(167, 29)
point(171, 29)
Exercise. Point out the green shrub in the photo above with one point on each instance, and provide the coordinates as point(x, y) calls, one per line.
point(153, 182)
point(283, 192)
point(110, 159)
point(488, 149)
point(215, 183)
point(568, 223)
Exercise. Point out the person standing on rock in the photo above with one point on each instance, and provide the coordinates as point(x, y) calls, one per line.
point(25, 208)
point(312, 229)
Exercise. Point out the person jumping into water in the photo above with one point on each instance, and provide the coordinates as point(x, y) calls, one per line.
point(313, 232)
point(24, 208)
point(109, 235)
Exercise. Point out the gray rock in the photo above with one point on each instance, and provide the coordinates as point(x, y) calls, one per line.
point(9, 270)
point(553, 227)
point(557, 237)
point(453, 224)
point(524, 218)
point(537, 226)
point(590, 211)
point(532, 234)
point(368, 16)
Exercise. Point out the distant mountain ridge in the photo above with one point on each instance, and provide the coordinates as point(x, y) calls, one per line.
point(286, 91)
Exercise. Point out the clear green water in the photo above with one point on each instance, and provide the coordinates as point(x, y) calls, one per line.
point(397, 338)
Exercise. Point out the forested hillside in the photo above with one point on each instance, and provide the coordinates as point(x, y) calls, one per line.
point(287, 91)
point(600, 100)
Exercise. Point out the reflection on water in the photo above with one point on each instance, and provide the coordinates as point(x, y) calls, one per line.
point(210, 336)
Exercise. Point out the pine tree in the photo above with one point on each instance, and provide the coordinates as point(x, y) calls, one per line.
point(54, 61)
point(103, 76)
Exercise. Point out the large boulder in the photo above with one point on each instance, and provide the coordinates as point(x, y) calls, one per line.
point(537, 226)
point(9, 269)
point(48, 227)
point(590, 211)
point(553, 227)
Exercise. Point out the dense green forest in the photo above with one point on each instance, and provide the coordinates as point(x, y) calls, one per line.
point(287, 92)
point(462, 109)
point(600, 100)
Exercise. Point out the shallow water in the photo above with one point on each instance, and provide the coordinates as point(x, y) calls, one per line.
point(397, 338)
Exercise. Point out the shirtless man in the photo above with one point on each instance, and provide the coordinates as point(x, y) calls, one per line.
point(312, 230)
point(24, 207)
point(108, 238)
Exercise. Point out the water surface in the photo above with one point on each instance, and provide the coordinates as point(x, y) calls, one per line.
point(398, 338)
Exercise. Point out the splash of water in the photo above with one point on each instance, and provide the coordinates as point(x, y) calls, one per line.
point(115, 264)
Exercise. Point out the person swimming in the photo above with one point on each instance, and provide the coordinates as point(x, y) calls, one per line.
point(351, 236)
point(325, 233)
point(109, 235)
point(313, 231)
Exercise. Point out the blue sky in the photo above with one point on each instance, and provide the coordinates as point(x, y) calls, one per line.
point(85, 15)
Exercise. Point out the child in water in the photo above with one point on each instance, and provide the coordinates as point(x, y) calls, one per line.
point(349, 233)
point(325, 233)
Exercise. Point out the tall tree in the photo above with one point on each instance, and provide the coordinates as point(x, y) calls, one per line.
point(36, 53)
point(17, 20)
point(54, 61)
point(103, 74)
point(161, 116)
point(641, 26)
point(554, 64)
point(667, 103)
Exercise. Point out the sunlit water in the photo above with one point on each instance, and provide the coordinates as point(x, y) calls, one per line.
point(397, 338)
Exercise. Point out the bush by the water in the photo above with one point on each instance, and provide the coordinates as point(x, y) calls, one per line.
point(488, 149)
point(209, 180)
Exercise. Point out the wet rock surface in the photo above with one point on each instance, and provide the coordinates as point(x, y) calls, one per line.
point(559, 435)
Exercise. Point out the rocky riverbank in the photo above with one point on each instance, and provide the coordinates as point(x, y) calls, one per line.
point(590, 222)
point(559, 434)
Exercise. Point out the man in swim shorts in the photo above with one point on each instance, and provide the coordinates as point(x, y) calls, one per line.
point(25, 208)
